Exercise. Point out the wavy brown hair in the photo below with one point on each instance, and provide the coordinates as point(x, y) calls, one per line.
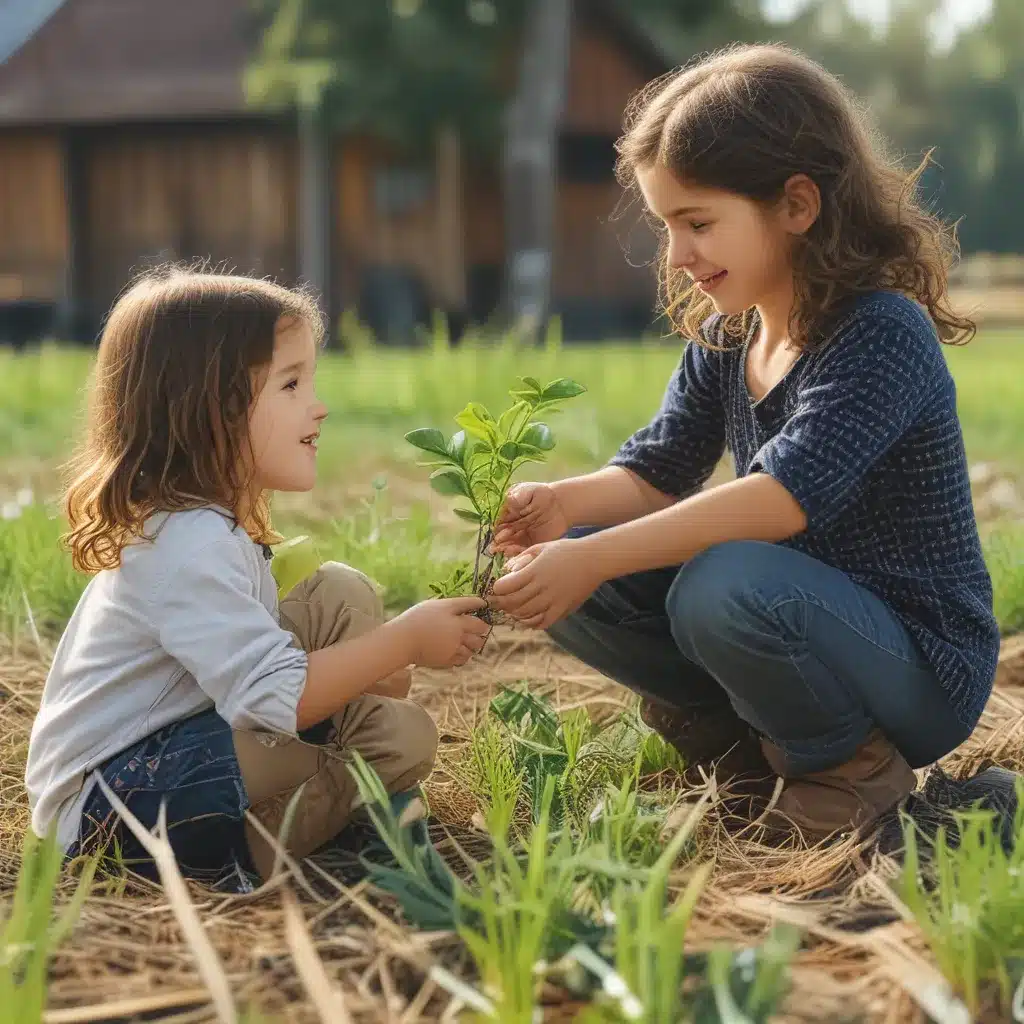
point(176, 373)
point(746, 119)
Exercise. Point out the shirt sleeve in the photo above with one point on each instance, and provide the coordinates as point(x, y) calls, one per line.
point(679, 449)
point(211, 621)
point(865, 392)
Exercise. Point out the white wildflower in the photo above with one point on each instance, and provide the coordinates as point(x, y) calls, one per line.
point(962, 914)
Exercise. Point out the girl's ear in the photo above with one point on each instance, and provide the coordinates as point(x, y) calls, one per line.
point(801, 204)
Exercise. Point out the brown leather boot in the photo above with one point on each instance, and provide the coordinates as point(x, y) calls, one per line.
point(849, 796)
point(714, 738)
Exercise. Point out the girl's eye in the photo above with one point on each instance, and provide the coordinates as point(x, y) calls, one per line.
point(698, 225)
point(292, 384)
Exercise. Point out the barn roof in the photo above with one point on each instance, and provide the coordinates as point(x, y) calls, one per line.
point(20, 20)
point(82, 61)
point(115, 60)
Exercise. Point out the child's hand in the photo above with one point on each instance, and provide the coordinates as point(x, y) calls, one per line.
point(545, 583)
point(531, 515)
point(443, 633)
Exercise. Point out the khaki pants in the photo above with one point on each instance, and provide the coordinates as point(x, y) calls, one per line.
point(397, 738)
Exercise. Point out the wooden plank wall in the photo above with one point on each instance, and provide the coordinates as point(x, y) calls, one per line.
point(227, 196)
point(601, 80)
point(371, 236)
point(591, 249)
point(33, 217)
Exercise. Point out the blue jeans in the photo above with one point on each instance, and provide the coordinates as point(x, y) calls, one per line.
point(190, 765)
point(807, 657)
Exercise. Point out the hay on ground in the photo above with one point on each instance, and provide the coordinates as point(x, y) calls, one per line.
point(860, 960)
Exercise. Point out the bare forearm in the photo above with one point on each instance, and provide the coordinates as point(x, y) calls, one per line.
point(608, 497)
point(756, 507)
point(338, 674)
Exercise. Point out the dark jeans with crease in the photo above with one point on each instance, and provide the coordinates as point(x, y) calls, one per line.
point(191, 767)
point(807, 657)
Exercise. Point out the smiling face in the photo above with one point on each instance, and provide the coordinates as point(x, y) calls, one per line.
point(284, 423)
point(735, 250)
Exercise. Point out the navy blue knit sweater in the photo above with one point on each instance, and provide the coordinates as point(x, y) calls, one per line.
point(863, 432)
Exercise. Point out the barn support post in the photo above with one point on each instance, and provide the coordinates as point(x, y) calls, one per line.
point(530, 167)
point(72, 319)
point(314, 202)
point(451, 246)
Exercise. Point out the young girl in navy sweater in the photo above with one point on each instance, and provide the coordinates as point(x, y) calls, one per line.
point(826, 616)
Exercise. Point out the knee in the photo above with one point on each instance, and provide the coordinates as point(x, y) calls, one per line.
point(338, 585)
point(415, 740)
point(724, 588)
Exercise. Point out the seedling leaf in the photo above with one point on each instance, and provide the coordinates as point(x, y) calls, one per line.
point(294, 560)
point(428, 439)
point(450, 481)
point(457, 447)
point(561, 389)
point(539, 436)
point(476, 420)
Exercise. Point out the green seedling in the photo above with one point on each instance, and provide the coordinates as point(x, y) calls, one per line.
point(968, 900)
point(478, 462)
point(32, 927)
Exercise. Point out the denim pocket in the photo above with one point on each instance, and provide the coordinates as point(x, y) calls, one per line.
point(190, 767)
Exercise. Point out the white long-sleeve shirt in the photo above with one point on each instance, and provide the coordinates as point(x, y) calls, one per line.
point(189, 621)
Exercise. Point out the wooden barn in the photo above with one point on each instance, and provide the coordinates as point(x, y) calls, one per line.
point(126, 138)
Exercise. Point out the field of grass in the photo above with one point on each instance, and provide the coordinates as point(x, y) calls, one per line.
point(572, 876)
point(372, 507)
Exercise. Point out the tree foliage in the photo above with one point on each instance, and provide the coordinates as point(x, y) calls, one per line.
point(402, 68)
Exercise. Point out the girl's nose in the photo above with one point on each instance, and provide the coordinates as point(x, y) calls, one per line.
point(320, 412)
point(680, 253)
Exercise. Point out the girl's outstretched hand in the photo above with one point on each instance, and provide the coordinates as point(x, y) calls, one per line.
point(531, 515)
point(545, 583)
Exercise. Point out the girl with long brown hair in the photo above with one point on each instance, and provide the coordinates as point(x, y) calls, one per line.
point(826, 617)
point(180, 679)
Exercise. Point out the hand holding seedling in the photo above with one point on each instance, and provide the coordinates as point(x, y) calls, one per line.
point(545, 583)
point(532, 514)
point(441, 634)
point(478, 463)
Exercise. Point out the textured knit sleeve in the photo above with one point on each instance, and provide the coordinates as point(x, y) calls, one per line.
point(679, 449)
point(212, 622)
point(865, 392)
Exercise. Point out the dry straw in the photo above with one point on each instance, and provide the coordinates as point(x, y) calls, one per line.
point(306, 947)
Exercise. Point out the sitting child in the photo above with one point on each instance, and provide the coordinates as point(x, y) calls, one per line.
point(178, 678)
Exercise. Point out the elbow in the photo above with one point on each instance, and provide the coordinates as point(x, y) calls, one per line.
point(789, 517)
point(796, 519)
point(262, 708)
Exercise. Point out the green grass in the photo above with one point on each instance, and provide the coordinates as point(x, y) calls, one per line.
point(35, 573)
point(376, 395)
point(969, 902)
point(29, 931)
point(1004, 554)
point(584, 886)
point(568, 898)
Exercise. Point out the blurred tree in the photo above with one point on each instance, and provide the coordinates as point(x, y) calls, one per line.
point(966, 103)
point(490, 72)
point(397, 68)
